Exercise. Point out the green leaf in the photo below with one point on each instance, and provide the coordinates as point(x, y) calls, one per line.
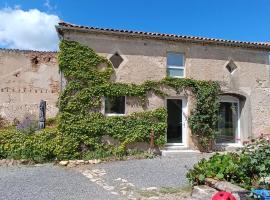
point(201, 177)
point(220, 176)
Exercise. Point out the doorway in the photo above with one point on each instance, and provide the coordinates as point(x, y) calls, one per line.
point(229, 123)
point(175, 121)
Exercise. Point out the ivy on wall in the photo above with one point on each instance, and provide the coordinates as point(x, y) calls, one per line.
point(89, 79)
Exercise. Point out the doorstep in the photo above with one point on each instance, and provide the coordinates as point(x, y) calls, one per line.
point(171, 150)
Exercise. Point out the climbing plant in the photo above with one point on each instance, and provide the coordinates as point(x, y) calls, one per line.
point(89, 79)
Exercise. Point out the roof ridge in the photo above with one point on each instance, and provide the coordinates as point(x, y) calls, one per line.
point(26, 50)
point(168, 36)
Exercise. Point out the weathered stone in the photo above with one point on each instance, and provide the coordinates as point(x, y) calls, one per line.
point(151, 188)
point(63, 162)
point(203, 192)
point(11, 162)
point(79, 162)
point(237, 191)
point(26, 78)
point(90, 161)
point(24, 162)
point(3, 162)
point(95, 161)
point(224, 185)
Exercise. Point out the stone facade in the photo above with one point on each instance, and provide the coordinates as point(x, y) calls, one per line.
point(145, 59)
point(26, 78)
point(29, 76)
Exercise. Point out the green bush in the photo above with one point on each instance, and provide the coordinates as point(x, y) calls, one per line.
point(255, 161)
point(247, 168)
point(41, 146)
point(89, 129)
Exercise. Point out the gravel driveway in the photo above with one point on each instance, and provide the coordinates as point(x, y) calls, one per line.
point(114, 180)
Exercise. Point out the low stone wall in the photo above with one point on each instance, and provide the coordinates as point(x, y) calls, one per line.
point(12, 162)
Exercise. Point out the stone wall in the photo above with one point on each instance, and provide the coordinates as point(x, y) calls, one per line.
point(26, 78)
point(145, 59)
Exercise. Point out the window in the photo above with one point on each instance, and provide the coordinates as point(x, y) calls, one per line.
point(115, 105)
point(231, 67)
point(175, 64)
point(116, 60)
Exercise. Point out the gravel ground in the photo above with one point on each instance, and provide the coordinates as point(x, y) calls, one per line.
point(113, 180)
point(158, 172)
point(47, 182)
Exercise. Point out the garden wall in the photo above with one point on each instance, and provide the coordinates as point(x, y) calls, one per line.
point(26, 78)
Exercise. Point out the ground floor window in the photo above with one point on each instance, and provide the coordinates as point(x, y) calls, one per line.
point(228, 124)
point(115, 105)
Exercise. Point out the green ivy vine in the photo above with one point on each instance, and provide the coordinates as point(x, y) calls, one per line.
point(89, 79)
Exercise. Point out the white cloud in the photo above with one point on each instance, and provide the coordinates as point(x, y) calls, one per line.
point(30, 29)
point(47, 4)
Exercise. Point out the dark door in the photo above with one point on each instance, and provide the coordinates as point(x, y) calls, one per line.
point(228, 122)
point(174, 121)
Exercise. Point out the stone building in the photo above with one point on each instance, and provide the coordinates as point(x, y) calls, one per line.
point(26, 78)
point(241, 68)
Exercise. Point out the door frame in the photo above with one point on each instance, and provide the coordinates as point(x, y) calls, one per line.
point(184, 121)
point(232, 99)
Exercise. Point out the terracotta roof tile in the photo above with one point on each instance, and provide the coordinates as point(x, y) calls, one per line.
point(163, 36)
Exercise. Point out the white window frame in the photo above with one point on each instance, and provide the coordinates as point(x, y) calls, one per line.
point(176, 67)
point(113, 114)
point(231, 99)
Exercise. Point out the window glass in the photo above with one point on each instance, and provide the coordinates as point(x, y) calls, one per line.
point(228, 122)
point(175, 64)
point(115, 105)
point(175, 72)
point(175, 59)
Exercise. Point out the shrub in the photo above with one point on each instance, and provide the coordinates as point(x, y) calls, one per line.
point(219, 166)
point(255, 161)
point(247, 168)
point(51, 122)
point(44, 145)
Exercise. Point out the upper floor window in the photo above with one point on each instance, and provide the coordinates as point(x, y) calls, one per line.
point(115, 105)
point(175, 64)
point(116, 60)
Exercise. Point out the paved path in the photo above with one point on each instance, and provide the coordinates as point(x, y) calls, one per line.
point(115, 180)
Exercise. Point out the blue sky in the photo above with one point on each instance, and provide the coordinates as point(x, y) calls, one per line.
point(246, 20)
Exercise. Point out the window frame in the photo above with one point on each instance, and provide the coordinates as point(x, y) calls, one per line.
point(114, 114)
point(174, 66)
